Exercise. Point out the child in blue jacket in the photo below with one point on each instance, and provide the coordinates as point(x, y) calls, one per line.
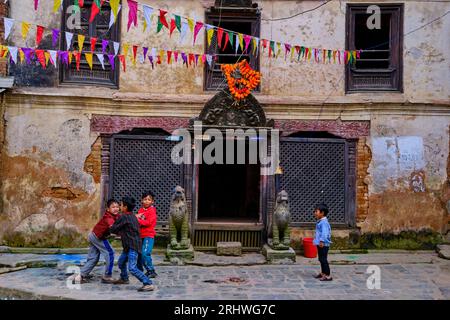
point(322, 240)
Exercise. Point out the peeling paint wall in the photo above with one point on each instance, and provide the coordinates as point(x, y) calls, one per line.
point(407, 173)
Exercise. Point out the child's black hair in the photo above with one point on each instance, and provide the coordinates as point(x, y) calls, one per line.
point(322, 208)
point(110, 202)
point(129, 202)
point(148, 193)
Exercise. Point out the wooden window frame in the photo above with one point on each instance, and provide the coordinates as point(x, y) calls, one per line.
point(393, 74)
point(251, 15)
point(64, 76)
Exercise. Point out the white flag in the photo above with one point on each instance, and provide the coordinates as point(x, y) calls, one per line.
point(257, 45)
point(184, 29)
point(154, 53)
point(236, 41)
point(209, 60)
point(69, 37)
point(148, 11)
point(101, 58)
point(113, 18)
point(116, 48)
point(13, 52)
point(8, 26)
point(53, 54)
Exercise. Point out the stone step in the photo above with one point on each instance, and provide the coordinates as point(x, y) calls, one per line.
point(229, 248)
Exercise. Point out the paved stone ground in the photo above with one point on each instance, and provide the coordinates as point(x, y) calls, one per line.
point(410, 276)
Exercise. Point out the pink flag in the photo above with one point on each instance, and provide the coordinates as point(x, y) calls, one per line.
point(247, 40)
point(198, 27)
point(132, 13)
point(36, 4)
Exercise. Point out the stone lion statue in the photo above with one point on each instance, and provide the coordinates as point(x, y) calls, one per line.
point(179, 220)
point(281, 232)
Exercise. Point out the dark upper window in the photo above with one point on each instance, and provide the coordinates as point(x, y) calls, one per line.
point(380, 66)
point(239, 16)
point(99, 28)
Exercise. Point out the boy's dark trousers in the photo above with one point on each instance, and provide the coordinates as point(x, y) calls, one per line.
point(323, 259)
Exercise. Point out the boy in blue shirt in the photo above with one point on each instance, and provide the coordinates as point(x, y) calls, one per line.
point(322, 240)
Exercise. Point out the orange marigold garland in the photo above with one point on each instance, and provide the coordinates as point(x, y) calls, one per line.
point(241, 79)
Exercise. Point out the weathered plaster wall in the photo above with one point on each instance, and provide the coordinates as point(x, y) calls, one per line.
point(47, 187)
point(426, 52)
point(407, 173)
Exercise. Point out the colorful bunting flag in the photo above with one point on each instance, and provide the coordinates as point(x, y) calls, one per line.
point(209, 34)
point(132, 13)
point(197, 28)
point(53, 57)
point(113, 17)
point(55, 37)
point(104, 46)
point(89, 59)
point(36, 4)
point(101, 58)
point(184, 29)
point(95, 9)
point(247, 40)
point(219, 37)
point(123, 61)
point(81, 39)
point(93, 43)
point(39, 34)
point(162, 18)
point(115, 8)
point(69, 36)
point(41, 58)
point(148, 11)
point(8, 23)
point(13, 54)
point(77, 56)
point(178, 22)
point(25, 29)
point(112, 62)
point(57, 5)
point(173, 26)
point(241, 41)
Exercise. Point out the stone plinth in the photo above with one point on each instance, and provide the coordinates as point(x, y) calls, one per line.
point(229, 248)
point(279, 256)
point(179, 256)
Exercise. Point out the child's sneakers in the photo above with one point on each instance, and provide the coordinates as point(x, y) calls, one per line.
point(121, 281)
point(108, 279)
point(79, 279)
point(146, 288)
point(326, 278)
point(151, 274)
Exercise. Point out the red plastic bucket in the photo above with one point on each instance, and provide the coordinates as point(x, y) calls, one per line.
point(309, 249)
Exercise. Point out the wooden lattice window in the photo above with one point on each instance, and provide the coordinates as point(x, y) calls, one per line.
point(380, 66)
point(238, 16)
point(99, 28)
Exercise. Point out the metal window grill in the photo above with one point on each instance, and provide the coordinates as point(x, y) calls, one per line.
point(314, 171)
point(141, 163)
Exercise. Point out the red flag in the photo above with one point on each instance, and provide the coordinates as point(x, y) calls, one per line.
point(227, 39)
point(191, 58)
point(169, 56)
point(93, 43)
point(123, 61)
point(219, 37)
point(134, 52)
point(173, 26)
point(77, 59)
point(41, 57)
point(81, 3)
point(162, 18)
point(39, 34)
point(95, 9)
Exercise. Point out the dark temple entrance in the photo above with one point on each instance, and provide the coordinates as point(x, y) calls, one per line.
point(229, 192)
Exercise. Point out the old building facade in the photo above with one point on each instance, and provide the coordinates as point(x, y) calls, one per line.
point(371, 139)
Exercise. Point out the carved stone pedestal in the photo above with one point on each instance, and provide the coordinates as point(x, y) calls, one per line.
point(279, 256)
point(179, 257)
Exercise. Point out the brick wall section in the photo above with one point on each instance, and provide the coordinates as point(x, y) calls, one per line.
point(4, 12)
point(93, 163)
point(364, 156)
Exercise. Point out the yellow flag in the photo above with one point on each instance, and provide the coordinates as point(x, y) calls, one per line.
point(292, 53)
point(255, 45)
point(241, 41)
point(25, 29)
point(191, 24)
point(56, 5)
point(161, 54)
point(114, 7)
point(210, 34)
point(47, 57)
point(309, 54)
point(88, 59)
point(22, 55)
point(81, 42)
point(125, 48)
point(279, 49)
point(145, 25)
point(70, 57)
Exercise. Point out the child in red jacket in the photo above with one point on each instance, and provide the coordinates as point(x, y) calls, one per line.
point(99, 245)
point(147, 219)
